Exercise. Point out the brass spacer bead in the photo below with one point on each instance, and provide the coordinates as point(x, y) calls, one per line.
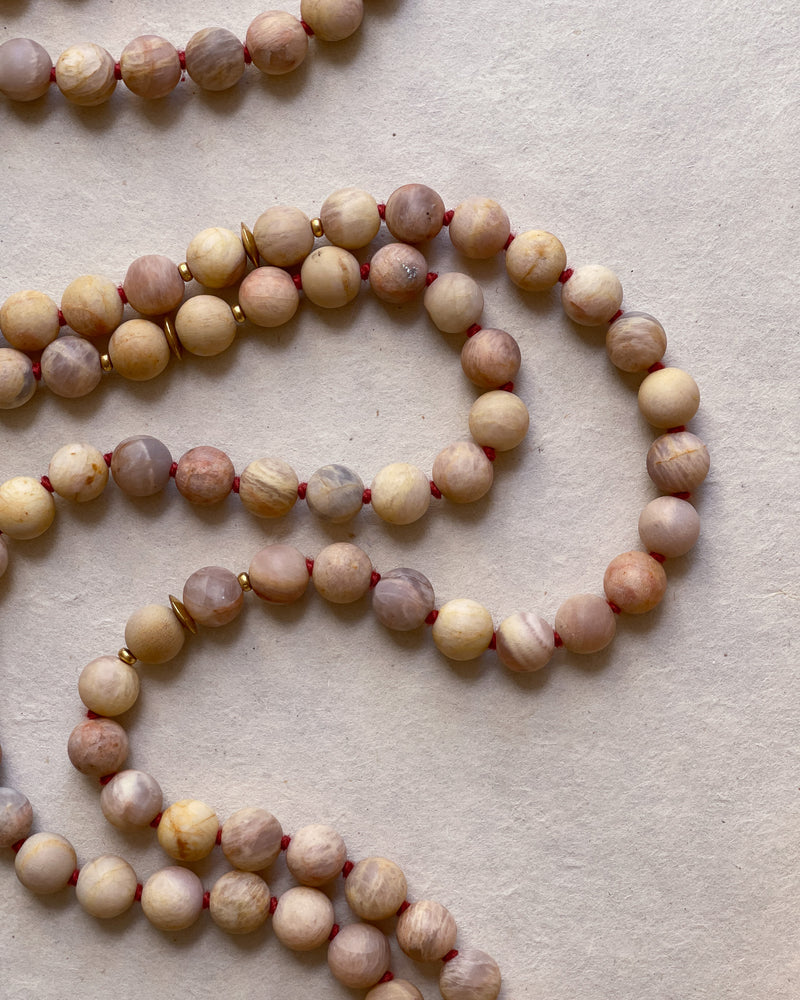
point(250, 248)
point(238, 314)
point(316, 228)
point(105, 363)
point(182, 614)
point(126, 656)
point(172, 338)
point(185, 272)
point(244, 582)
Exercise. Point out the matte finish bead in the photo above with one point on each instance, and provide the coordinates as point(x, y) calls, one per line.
point(172, 899)
point(350, 217)
point(277, 42)
point(85, 74)
point(150, 66)
point(668, 398)
point(677, 463)
point(91, 306)
point(106, 887)
point(215, 59)
point(283, 236)
point(342, 573)
point(26, 508)
point(78, 472)
point(17, 381)
point(479, 228)
point(331, 277)
point(29, 320)
point(98, 747)
point(251, 839)
point(403, 599)
point(268, 487)
point(131, 800)
point(400, 493)
point(471, 975)
point(138, 350)
point(414, 213)
point(332, 20)
point(525, 642)
point(592, 295)
point(153, 634)
point(45, 863)
point(454, 302)
point(216, 257)
point(426, 931)
point(239, 902)
point(316, 854)
point(334, 493)
point(375, 889)
point(535, 260)
point(359, 956)
point(71, 367)
point(212, 596)
point(16, 816)
point(24, 69)
point(153, 285)
point(462, 472)
point(279, 574)
point(205, 325)
point(635, 582)
point(204, 476)
point(635, 342)
point(303, 919)
point(669, 526)
point(268, 297)
point(398, 273)
point(141, 465)
point(395, 989)
point(585, 623)
point(463, 630)
point(188, 830)
point(107, 686)
point(499, 420)
point(491, 358)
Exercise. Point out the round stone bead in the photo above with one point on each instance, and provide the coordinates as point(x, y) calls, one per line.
point(462, 472)
point(668, 397)
point(268, 487)
point(45, 863)
point(205, 325)
point(17, 381)
point(108, 686)
point(78, 472)
point(277, 42)
point(635, 582)
point(342, 573)
point(239, 902)
point(402, 599)
point(499, 420)
point(463, 630)
point(414, 213)
point(213, 596)
point(97, 747)
point(303, 919)
point(334, 493)
point(71, 367)
point(131, 800)
point(16, 816)
point(375, 889)
point(400, 493)
point(279, 574)
point(585, 623)
point(635, 341)
point(491, 358)
point(331, 277)
point(471, 975)
point(216, 257)
point(669, 526)
point(204, 476)
point(188, 830)
point(332, 20)
point(268, 297)
point(426, 931)
point(535, 260)
point(138, 350)
point(106, 887)
point(316, 854)
point(525, 642)
point(214, 59)
point(172, 899)
point(92, 306)
point(141, 465)
point(677, 463)
point(85, 74)
point(3, 565)
point(395, 989)
point(153, 285)
point(350, 218)
point(153, 634)
point(397, 273)
point(283, 236)
point(359, 956)
point(251, 839)
point(591, 295)
point(29, 320)
point(150, 66)
point(26, 508)
point(479, 228)
point(454, 302)
point(24, 69)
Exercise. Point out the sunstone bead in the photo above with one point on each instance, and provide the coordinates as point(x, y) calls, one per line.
point(414, 213)
point(172, 898)
point(251, 839)
point(668, 397)
point(471, 975)
point(635, 341)
point(303, 918)
point(239, 902)
point(150, 66)
point(153, 285)
point(98, 747)
point(669, 526)
point(592, 295)
point(375, 888)
point(397, 273)
point(204, 475)
point(678, 463)
point(316, 854)
point(359, 956)
point(279, 574)
point(426, 931)
point(332, 20)
point(141, 465)
point(585, 623)
point(342, 573)
point(350, 218)
point(499, 420)
point(268, 297)
point(635, 582)
point(491, 358)
point(283, 236)
point(462, 472)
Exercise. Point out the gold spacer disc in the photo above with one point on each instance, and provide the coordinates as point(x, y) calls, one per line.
point(244, 582)
point(182, 614)
point(250, 248)
point(172, 338)
point(126, 656)
point(316, 228)
point(238, 314)
point(105, 363)
point(185, 272)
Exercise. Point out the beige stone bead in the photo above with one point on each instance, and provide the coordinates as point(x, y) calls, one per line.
point(316, 854)
point(24, 69)
point(350, 218)
point(268, 297)
point(359, 956)
point(45, 863)
point(463, 630)
point(16, 816)
point(138, 350)
point(669, 526)
point(668, 398)
point(172, 899)
point(403, 599)
point(283, 236)
point(85, 74)
point(462, 472)
point(153, 285)
point(454, 302)
point(592, 295)
point(479, 228)
point(334, 493)
point(239, 902)
point(108, 686)
point(279, 574)
point(204, 475)
point(17, 381)
point(398, 273)
point(375, 889)
point(331, 277)
point(205, 325)
point(277, 42)
point(29, 320)
point(91, 306)
point(213, 596)
point(635, 582)
point(251, 839)
point(98, 747)
point(525, 642)
point(188, 830)
point(150, 66)
point(585, 623)
point(414, 213)
point(342, 573)
point(395, 989)
point(216, 257)
point(268, 487)
point(400, 493)
point(471, 975)
point(71, 367)
point(106, 887)
point(153, 634)
point(677, 463)
point(131, 800)
point(535, 260)
point(332, 20)
point(426, 931)
point(635, 341)
point(303, 919)
point(499, 420)
point(214, 59)
point(26, 508)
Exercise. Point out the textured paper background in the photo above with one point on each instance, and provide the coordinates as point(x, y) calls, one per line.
point(623, 826)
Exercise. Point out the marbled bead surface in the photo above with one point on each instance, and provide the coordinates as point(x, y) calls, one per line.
point(491, 358)
point(251, 839)
point(332, 20)
point(342, 573)
point(592, 295)
point(78, 472)
point(16, 816)
point(213, 596)
point(108, 686)
point(268, 487)
point(334, 493)
point(414, 213)
point(479, 228)
point(350, 218)
point(397, 273)
point(426, 931)
point(204, 475)
point(283, 236)
point(535, 260)
point(454, 302)
point(29, 320)
point(24, 69)
point(17, 381)
point(26, 508)
point(153, 285)
point(150, 66)
point(131, 800)
point(215, 59)
point(277, 42)
point(669, 526)
point(85, 74)
point(635, 582)
point(71, 367)
point(205, 325)
point(331, 277)
point(45, 863)
point(106, 886)
point(316, 854)
point(678, 463)
point(463, 629)
point(462, 472)
point(400, 493)
point(635, 342)
point(92, 306)
point(525, 642)
point(188, 830)
point(141, 465)
point(138, 350)
point(98, 747)
point(172, 898)
point(279, 574)
point(395, 989)
point(471, 975)
point(585, 623)
point(359, 956)
point(268, 297)
point(239, 902)
point(402, 599)
point(303, 919)
point(216, 257)
point(375, 888)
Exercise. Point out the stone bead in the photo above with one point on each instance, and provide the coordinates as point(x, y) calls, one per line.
point(138, 350)
point(205, 325)
point(463, 630)
point(331, 277)
point(29, 320)
point(525, 642)
point(172, 899)
point(85, 74)
point(268, 487)
point(426, 931)
point(216, 257)
point(462, 472)
point(239, 902)
point(669, 526)
point(188, 830)
point(251, 839)
point(279, 574)
point(471, 975)
point(45, 863)
point(635, 342)
point(283, 236)
point(491, 358)
point(375, 889)
point(668, 398)
point(153, 285)
point(3, 568)
point(342, 573)
point(108, 686)
point(454, 302)
point(402, 599)
point(334, 493)
point(479, 228)
point(395, 989)
point(204, 476)
point(332, 20)
point(214, 59)
point(92, 306)
point(350, 217)
point(97, 747)
point(277, 42)
point(26, 508)
point(635, 582)
point(535, 260)
point(106, 887)
point(24, 69)
point(400, 493)
point(78, 472)
point(398, 273)
point(71, 367)
point(141, 465)
point(153, 634)
point(150, 66)
point(585, 623)
point(17, 381)
point(131, 800)
point(303, 919)
point(268, 297)
point(592, 295)
point(677, 463)
point(316, 854)
point(414, 213)
point(16, 816)
point(213, 596)
point(499, 420)
point(359, 956)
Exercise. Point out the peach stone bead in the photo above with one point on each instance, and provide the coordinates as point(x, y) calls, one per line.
point(138, 350)
point(669, 526)
point(26, 508)
point(205, 325)
point(491, 358)
point(525, 642)
point(279, 574)
point(214, 59)
point(85, 74)
point(375, 889)
point(97, 747)
point(268, 487)
point(71, 367)
point(535, 260)
point(350, 218)
point(239, 902)
point(414, 213)
point(92, 306)
point(277, 42)
point(108, 686)
point(471, 975)
point(16, 816)
point(342, 573)
point(268, 297)
point(251, 839)
point(400, 493)
point(331, 277)
point(585, 623)
point(395, 989)
point(635, 341)
point(172, 899)
point(141, 465)
point(454, 302)
point(29, 320)
point(462, 472)
point(153, 634)
point(316, 854)
point(204, 475)
point(463, 629)
point(668, 397)
point(677, 463)
point(283, 236)
point(359, 956)
point(188, 830)
point(17, 381)
point(334, 493)
point(479, 228)
point(24, 69)
point(332, 20)
point(591, 295)
point(303, 919)
point(398, 273)
point(150, 66)
point(153, 285)
point(131, 800)
point(426, 931)
point(402, 599)
point(635, 582)
point(213, 596)
point(45, 863)
point(216, 257)
point(499, 419)
point(106, 887)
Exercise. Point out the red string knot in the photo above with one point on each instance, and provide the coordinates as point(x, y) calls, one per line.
point(430, 277)
point(387, 977)
point(682, 496)
point(657, 556)
point(45, 481)
point(122, 295)
point(614, 607)
point(508, 387)
point(16, 848)
point(676, 430)
point(493, 641)
point(566, 275)
point(509, 241)
point(301, 490)
point(348, 867)
point(435, 491)
point(206, 899)
point(117, 71)
point(182, 58)
point(298, 282)
point(107, 777)
point(73, 879)
point(382, 210)
point(138, 894)
point(310, 566)
point(218, 839)
point(615, 317)
point(364, 271)
point(53, 74)
point(366, 496)
point(154, 822)
point(237, 481)
point(447, 218)
point(558, 642)
point(36, 368)
point(308, 29)
point(286, 839)
point(374, 579)
point(475, 328)
point(657, 367)
point(273, 904)
point(490, 453)
point(173, 469)
point(450, 955)
point(107, 457)
point(61, 320)
point(247, 57)
point(432, 617)
point(334, 932)
point(92, 715)
point(403, 907)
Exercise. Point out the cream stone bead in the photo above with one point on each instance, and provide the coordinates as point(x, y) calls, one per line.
point(463, 629)
point(26, 508)
point(635, 582)
point(342, 573)
point(45, 863)
point(359, 956)
point(268, 297)
point(214, 59)
point(138, 350)
point(677, 463)
point(426, 931)
point(375, 889)
point(92, 306)
point(153, 634)
point(17, 381)
point(334, 493)
point(669, 526)
point(277, 42)
point(24, 69)
point(85, 74)
point(535, 260)
point(668, 397)
point(331, 277)
point(402, 599)
point(499, 420)
point(395, 989)
point(251, 839)
point(398, 273)
point(108, 686)
point(283, 236)
point(414, 213)
point(585, 623)
point(153, 285)
point(216, 257)
point(205, 325)
point(16, 817)
point(635, 341)
point(239, 902)
point(106, 886)
point(591, 295)
point(350, 218)
point(479, 228)
point(213, 596)
point(525, 642)
point(131, 800)
point(150, 66)
point(454, 302)
point(97, 747)
point(78, 472)
point(29, 320)
point(204, 476)
point(462, 472)
point(188, 830)
point(400, 493)
point(141, 465)
point(332, 20)
point(172, 899)
point(316, 854)
point(303, 919)
point(71, 367)
point(268, 487)
point(279, 574)
point(471, 975)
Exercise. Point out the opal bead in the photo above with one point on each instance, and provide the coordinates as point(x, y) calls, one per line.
point(669, 526)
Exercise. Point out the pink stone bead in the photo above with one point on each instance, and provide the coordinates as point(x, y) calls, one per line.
point(395, 989)
point(678, 463)
point(97, 747)
point(635, 342)
point(585, 623)
point(592, 295)
point(131, 800)
point(334, 493)
point(342, 573)
point(398, 273)
point(213, 596)
point(491, 358)
point(414, 213)
point(141, 465)
point(71, 367)
point(525, 642)
point(669, 526)
point(471, 975)
point(462, 472)
point(635, 582)
point(316, 854)
point(359, 956)
point(279, 574)
point(268, 297)
point(45, 863)
point(153, 285)
point(251, 839)
point(215, 59)
point(479, 228)
point(204, 476)
point(17, 381)
point(172, 898)
point(332, 20)
point(403, 599)
point(277, 42)
point(150, 66)
point(16, 816)
point(24, 69)
point(239, 902)
point(426, 931)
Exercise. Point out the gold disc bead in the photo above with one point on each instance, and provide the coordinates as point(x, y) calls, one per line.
point(244, 582)
point(185, 272)
point(316, 228)
point(172, 338)
point(238, 314)
point(127, 656)
point(106, 364)
point(249, 244)
point(183, 616)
